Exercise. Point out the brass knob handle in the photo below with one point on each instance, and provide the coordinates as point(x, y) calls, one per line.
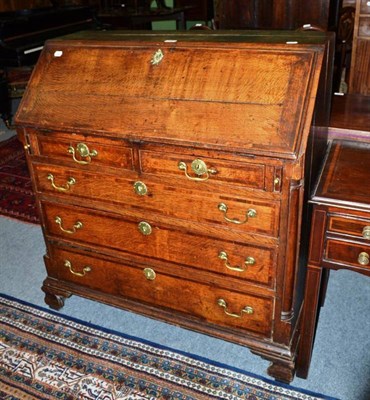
point(70, 182)
point(85, 270)
point(248, 261)
point(199, 168)
point(76, 226)
point(145, 228)
point(251, 213)
point(83, 150)
point(366, 232)
point(247, 309)
point(140, 188)
point(363, 258)
point(149, 274)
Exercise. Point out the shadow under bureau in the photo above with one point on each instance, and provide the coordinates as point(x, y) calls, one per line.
point(169, 171)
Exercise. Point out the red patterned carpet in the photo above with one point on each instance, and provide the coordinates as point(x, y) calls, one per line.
point(16, 195)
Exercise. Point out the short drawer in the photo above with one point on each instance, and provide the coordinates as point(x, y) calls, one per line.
point(348, 225)
point(148, 239)
point(165, 198)
point(84, 151)
point(351, 254)
point(145, 284)
point(197, 169)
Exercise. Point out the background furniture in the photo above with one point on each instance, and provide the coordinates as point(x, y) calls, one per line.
point(162, 195)
point(340, 231)
point(198, 10)
point(276, 14)
point(360, 62)
point(22, 37)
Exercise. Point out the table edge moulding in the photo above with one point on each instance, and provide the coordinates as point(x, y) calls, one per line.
point(172, 171)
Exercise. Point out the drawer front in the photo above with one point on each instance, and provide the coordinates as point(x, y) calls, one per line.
point(197, 169)
point(210, 303)
point(351, 254)
point(228, 210)
point(149, 240)
point(82, 151)
point(350, 226)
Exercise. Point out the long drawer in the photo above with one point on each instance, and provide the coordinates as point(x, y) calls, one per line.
point(204, 301)
point(164, 197)
point(254, 263)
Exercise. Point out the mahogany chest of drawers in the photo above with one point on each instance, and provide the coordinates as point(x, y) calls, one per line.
point(169, 171)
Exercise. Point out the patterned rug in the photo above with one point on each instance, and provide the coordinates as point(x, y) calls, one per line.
point(44, 355)
point(16, 196)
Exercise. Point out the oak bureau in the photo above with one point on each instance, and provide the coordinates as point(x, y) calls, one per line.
point(170, 169)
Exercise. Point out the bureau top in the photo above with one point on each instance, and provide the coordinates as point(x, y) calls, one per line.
point(243, 92)
point(345, 176)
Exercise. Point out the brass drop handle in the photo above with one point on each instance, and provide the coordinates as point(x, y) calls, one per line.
point(247, 309)
point(85, 270)
point(363, 258)
point(145, 228)
point(366, 232)
point(248, 261)
point(140, 188)
point(70, 182)
point(83, 150)
point(251, 213)
point(199, 168)
point(149, 274)
point(76, 226)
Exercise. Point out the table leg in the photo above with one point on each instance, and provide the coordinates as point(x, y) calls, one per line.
point(310, 314)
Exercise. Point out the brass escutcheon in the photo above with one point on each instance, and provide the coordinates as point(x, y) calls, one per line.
point(71, 181)
point(251, 213)
point(247, 309)
point(85, 270)
point(157, 57)
point(366, 232)
point(145, 228)
point(140, 188)
point(199, 168)
point(277, 183)
point(248, 261)
point(363, 258)
point(149, 274)
point(83, 150)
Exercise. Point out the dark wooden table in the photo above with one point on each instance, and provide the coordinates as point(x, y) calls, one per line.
point(350, 117)
point(340, 232)
point(121, 18)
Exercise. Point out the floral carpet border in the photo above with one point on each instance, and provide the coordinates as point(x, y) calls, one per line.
point(44, 355)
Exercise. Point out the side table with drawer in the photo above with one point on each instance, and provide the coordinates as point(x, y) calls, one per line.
point(340, 230)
